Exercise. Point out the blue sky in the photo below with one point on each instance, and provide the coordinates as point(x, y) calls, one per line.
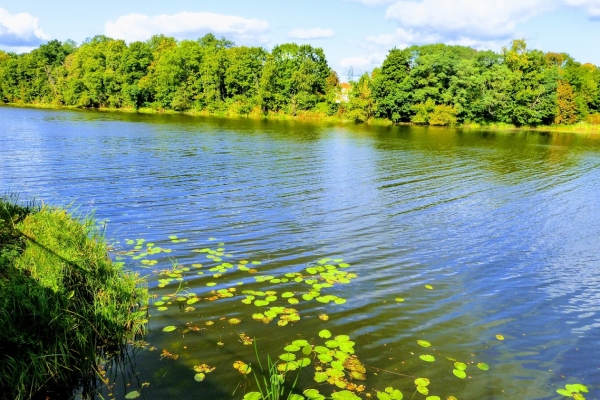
point(353, 33)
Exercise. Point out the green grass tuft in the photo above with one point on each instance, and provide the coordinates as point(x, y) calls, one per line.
point(63, 302)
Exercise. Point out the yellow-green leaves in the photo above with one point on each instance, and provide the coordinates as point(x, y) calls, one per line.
point(325, 334)
point(483, 366)
point(573, 390)
point(390, 394)
point(421, 384)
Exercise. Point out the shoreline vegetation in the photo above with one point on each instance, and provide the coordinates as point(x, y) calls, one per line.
point(65, 307)
point(436, 85)
point(578, 127)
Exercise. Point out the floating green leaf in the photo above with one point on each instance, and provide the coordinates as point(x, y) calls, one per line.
point(305, 362)
point(133, 395)
point(344, 395)
point(459, 373)
point(422, 382)
point(429, 287)
point(199, 377)
point(427, 357)
point(499, 337)
point(423, 390)
point(321, 377)
point(169, 328)
point(325, 358)
point(287, 357)
point(325, 334)
point(423, 343)
point(313, 394)
point(460, 366)
point(576, 388)
point(291, 348)
point(483, 366)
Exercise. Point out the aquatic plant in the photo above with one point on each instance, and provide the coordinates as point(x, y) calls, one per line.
point(330, 358)
point(272, 386)
point(573, 390)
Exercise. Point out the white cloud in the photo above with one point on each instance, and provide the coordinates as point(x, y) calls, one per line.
point(187, 25)
point(591, 7)
point(403, 38)
point(466, 19)
point(362, 64)
point(20, 32)
point(314, 33)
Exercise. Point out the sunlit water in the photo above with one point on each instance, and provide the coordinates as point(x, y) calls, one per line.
point(504, 226)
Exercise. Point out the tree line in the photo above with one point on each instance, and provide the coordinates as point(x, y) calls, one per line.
point(432, 84)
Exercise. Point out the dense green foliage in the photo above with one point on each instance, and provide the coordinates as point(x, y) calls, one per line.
point(63, 303)
point(430, 84)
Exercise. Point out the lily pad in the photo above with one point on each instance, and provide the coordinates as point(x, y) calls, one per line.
point(199, 377)
point(287, 357)
point(460, 366)
point(427, 357)
point(325, 334)
point(169, 328)
point(313, 394)
point(292, 348)
point(422, 382)
point(459, 374)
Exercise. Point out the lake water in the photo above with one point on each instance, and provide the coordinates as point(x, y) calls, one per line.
point(504, 227)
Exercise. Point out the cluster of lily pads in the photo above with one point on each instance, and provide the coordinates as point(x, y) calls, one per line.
point(334, 360)
point(140, 253)
point(459, 368)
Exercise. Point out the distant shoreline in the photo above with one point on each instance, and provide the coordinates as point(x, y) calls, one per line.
point(311, 116)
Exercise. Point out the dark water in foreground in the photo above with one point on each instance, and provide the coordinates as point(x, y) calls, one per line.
point(504, 226)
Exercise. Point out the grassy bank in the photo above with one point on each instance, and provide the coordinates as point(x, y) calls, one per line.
point(63, 303)
point(314, 116)
point(309, 116)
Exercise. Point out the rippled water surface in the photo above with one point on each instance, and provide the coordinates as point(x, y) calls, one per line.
point(504, 226)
